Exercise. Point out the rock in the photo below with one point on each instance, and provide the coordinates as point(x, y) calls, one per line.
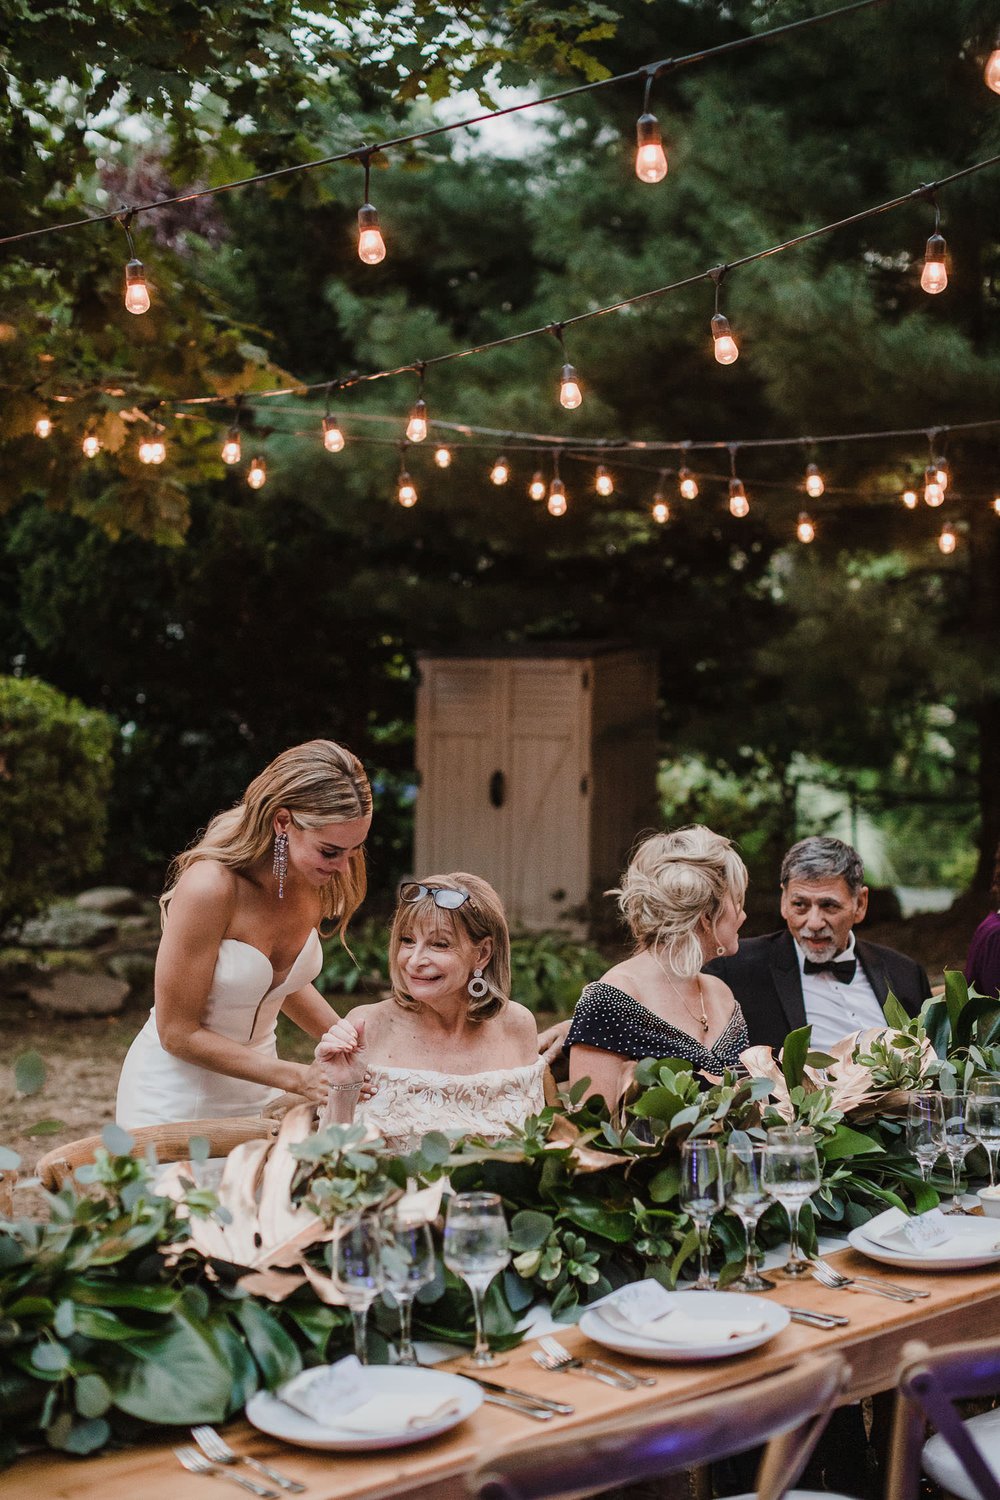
point(113, 900)
point(67, 927)
point(69, 994)
point(139, 923)
point(136, 969)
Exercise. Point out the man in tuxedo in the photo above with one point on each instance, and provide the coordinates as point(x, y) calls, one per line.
point(816, 971)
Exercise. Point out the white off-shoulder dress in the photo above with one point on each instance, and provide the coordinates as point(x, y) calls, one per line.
point(410, 1102)
point(243, 1004)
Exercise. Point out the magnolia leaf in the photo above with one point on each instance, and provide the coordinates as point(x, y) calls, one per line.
point(894, 1013)
point(794, 1054)
point(178, 1378)
point(273, 1286)
point(529, 1230)
point(845, 1143)
point(29, 1073)
point(271, 1346)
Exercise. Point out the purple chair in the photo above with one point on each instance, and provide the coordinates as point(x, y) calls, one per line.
point(964, 1456)
point(788, 1411)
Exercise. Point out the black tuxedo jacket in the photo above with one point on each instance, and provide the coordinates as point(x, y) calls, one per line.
point(764, 976)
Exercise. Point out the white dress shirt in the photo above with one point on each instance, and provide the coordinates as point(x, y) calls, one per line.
point(835, 1010)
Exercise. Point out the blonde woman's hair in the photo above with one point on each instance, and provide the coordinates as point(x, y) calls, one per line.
point(673, 880)
point(482, 916)
point(318, 783)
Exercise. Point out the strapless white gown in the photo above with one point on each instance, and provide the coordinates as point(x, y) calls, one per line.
point(409, 1102)
point(243, 1004)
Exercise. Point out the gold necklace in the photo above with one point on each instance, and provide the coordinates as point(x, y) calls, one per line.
point(703, 1017)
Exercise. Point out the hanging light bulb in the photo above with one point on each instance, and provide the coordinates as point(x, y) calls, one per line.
point(687, 484)
point(933, 493)
point(934, 276)
point(407, 492)
point(909, 498)
point(805, 530)
point(232, 449)
point(727, 350)
point(371, 245)
point(91, 445)
point(992, 71)
point(333, 438)
point(536, 489)
point(557, 498)
point(570, 394)
point(814, 483)
point(157, 450)
point(442, 457)
point(943, 476)
point(996, 504)
point(43, 427)
point(257, 473)
point(416, 427)
point(500, 472)
point(603, 482)
point(739, 505)
point(146, 451)
point(661, 510)
point(650, 157)
point(947, 541)
point(136, 290)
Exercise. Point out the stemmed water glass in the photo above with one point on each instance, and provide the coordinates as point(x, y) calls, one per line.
point(357, 1270)
point(956, 1143)
point(984, 1119)
point(476, 1247)
point(791, 1176)
point(747, 1198)
point(701, 1196)
point(407, 1265)
point(925, 1131)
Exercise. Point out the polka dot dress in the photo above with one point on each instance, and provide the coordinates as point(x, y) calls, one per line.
point(607, 1018)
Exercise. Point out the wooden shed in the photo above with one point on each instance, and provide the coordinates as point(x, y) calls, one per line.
point(537, 769)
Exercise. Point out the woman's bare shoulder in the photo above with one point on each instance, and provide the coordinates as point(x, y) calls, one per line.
point(208, 879)
point(623, 977)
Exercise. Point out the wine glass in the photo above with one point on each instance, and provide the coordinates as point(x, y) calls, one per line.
point(747, 1198)
point(956, 1143)
point(476, 1247)
point(357, 1270)
point(925, 1131)
point(791, 1176)
point(984, 1119)
point(701, 1196)
point(407, 1265)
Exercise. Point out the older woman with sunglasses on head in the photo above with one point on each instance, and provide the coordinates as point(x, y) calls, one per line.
point(450, 1050)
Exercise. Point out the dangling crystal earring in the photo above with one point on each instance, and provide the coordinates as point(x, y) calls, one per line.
point(477, 985)
point(280, 865)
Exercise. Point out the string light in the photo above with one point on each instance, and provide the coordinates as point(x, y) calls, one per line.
point(805, 530)
point(257, 473)
point(442, 457)
point(406, 490)
point(943, 476)
point(136, 290)
point(814, 483)
point(933, 492)
point(996, 504)
point(934, 276)
point(536, 489)
point(909, 498)
point(660, 510)
point(146, 451)
point(739, 505)
point(991, 73)
point(557, 498)
point(91, 445)
point(727, 350)
point(416, 427)
point(650, 157)
point(333, 438)
point(232, 448)
point(158, 451)
point(371, 245)
point(43, 427)
point(603, 482)
point(500, 472)
point(687, 484)
point(947, 541)
point(570, 394)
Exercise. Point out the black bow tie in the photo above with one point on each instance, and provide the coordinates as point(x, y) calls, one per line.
point(843, 969)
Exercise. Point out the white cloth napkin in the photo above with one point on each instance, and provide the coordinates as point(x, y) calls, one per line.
point(648, 1311)
point(339, 1396)
point(931, 1235)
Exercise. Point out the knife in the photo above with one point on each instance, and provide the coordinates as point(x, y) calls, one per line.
point(540, 1413)
point(559, 1407)
point(817, 1319)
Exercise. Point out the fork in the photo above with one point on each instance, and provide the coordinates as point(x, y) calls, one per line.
point(552, 1355)
point(829, 1277)
point(218, 1451)
point(197, 1463)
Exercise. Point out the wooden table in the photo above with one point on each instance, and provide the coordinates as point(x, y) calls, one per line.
point(962, 1305)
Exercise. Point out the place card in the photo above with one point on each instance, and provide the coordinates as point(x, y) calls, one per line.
point(927, 1230)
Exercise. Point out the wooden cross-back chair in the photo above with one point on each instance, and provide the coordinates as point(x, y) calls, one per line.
point(787, 1411)
point(172, 1143)
point(964, 1455)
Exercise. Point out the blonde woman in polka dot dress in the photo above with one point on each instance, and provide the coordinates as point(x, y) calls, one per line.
point(682, 898)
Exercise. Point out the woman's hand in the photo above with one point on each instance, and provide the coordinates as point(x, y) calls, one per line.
point(550, 1042)
point(342, 1058)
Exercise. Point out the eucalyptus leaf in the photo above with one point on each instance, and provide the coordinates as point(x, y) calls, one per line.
point(86, 1436)
point(50, 1356)
point(9, 1160)
point(29, 1073)
point(91, 1395)
point(117, 1140)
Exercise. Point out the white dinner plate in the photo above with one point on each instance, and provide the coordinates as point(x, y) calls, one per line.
point(984, 1245)
point(709, 1307)
point(271, 1415)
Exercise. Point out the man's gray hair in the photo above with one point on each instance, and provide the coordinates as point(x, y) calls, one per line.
point(823, 859)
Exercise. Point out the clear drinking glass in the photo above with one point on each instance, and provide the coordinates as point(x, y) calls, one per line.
point(791, 1176)
point(956, 1143)
point(407, 1265)
point(747, 1198)
point(701, 1197)
point(476, 1247)
point(357, 1270)
point(984, 1119)
point(925, 1131)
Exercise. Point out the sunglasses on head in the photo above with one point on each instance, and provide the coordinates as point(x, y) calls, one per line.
point(447, 897)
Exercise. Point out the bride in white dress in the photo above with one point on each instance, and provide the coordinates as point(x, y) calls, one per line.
point(450, 1050)
point(240, 943)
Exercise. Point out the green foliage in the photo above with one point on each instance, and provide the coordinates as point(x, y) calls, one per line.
point(55, 774)
point(29, 1073)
